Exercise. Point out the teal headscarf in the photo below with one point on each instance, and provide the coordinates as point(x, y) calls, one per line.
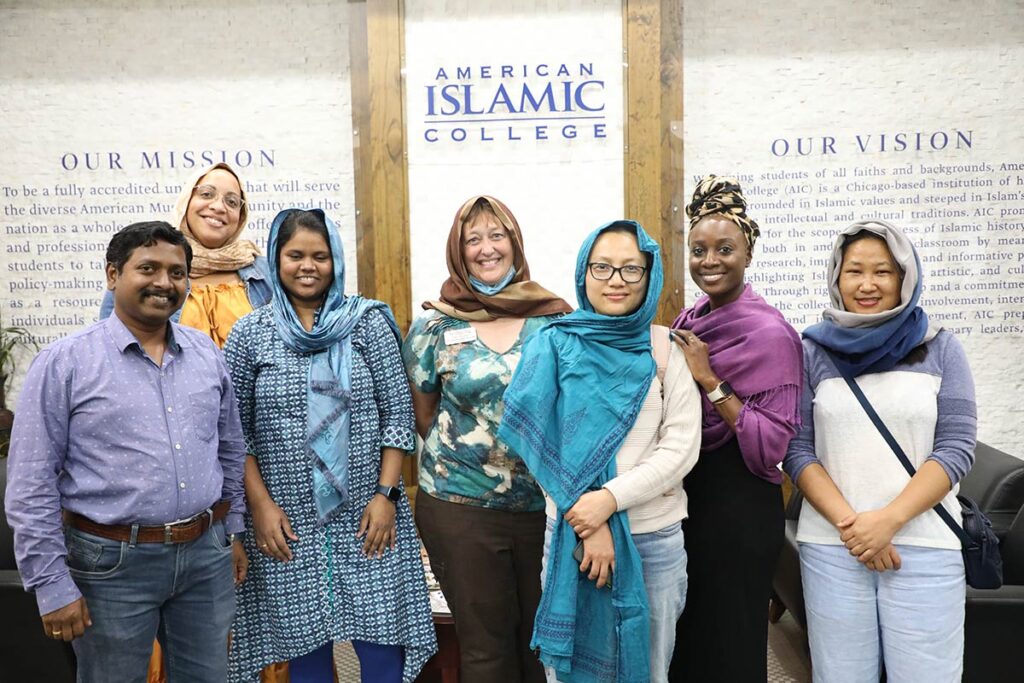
point(574, 396)
point(329, 391)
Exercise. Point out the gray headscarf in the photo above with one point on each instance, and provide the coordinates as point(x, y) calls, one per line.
point(902, 253)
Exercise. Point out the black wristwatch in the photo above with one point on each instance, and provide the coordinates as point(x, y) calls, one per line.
point(392, 493)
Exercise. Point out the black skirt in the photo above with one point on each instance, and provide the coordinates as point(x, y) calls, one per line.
point(734, 534)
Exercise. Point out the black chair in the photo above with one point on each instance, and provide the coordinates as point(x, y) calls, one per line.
point(26, 654)
point(994, 622)
point(996, 484)
point(787, 586)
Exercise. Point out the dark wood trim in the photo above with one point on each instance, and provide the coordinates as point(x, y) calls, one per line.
point(653, 159)
point(377, 46)
point(379, 154)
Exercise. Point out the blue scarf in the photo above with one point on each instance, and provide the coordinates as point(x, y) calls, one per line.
point(861, 343)
point(575, 395)
point(329, 388)
point(491, 290)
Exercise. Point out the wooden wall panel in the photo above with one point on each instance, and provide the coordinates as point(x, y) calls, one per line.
point(653, 39)
point(381, 177)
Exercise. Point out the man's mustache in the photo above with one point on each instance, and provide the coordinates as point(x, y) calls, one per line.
point(172, 295)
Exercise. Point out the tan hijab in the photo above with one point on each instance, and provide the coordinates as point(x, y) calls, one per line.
point(521, 298)
point(235, 253)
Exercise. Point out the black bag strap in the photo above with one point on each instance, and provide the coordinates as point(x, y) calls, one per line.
point(965, 540)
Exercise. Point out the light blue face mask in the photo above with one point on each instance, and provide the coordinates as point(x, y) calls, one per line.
point(491, 290)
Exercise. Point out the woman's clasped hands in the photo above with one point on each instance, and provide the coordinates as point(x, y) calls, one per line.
point(868, 537)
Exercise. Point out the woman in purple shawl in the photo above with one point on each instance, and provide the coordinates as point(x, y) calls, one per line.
point(749, 363)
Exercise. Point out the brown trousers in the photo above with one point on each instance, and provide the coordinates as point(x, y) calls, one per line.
point(488, 564)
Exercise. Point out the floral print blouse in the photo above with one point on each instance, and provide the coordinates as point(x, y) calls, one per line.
point(462, 460)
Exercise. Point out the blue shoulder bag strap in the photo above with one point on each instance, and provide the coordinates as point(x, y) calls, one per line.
point(965, 540)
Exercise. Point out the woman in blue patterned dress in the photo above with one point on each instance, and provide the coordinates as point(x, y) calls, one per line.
point(480, 513)
point(328, 418)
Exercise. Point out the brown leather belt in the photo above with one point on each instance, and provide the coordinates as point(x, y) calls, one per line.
point(179, 532)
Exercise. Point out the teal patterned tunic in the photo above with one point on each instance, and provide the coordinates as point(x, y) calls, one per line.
point(329, 591)
point(462, 460)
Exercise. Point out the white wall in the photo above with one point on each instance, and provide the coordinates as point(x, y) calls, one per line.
point(102, 77)
point(811, 70)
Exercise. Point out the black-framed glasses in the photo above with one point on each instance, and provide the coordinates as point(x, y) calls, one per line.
point(630, 274)
point(209, 193)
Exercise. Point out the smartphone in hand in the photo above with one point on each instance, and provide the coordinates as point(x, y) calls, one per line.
point(577, 554)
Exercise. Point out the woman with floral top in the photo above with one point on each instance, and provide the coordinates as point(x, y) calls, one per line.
point(479, 512)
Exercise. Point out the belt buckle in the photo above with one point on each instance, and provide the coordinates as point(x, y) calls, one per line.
point(169, 528)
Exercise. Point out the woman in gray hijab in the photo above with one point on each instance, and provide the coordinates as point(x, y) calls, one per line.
point(883, 576)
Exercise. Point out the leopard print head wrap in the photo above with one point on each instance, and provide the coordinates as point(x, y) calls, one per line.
point(722, 195)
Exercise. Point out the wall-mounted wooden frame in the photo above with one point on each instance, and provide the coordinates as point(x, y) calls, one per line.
point(653, 159)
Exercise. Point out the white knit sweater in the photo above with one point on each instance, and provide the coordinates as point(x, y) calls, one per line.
point(660, 449)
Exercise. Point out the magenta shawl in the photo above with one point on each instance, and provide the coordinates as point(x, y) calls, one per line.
point(752, 347)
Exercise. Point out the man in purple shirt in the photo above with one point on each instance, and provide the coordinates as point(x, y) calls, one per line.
point(125, 478)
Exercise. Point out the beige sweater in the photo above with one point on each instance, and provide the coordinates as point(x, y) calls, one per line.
point(660, 449)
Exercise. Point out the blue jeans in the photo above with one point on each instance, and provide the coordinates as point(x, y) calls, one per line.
point(183, 595)
point(663, 555)
point(912, 618)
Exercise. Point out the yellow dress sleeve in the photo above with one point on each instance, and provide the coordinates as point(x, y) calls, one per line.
point(214, 309)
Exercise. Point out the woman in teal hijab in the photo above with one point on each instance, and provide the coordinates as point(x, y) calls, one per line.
point(607, 418)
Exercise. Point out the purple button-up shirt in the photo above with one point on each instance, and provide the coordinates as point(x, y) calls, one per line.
point(104, 431)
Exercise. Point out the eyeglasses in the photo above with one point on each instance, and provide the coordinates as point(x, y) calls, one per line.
point(629, 274)
point(209, 193)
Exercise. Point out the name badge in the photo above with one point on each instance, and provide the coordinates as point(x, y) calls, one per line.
point(460, 336)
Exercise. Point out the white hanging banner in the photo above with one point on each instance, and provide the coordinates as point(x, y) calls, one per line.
point(526, 107)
